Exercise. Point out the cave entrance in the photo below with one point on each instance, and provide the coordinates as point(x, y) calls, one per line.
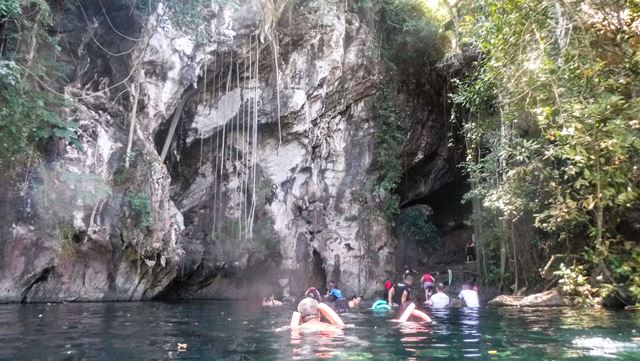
point(317, 277)
point(435, 242)
point(447, 203)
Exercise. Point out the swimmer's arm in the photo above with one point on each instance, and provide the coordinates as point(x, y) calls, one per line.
point(330, 315)
point(392, 291)
point(405, 296)
point(421, 315)
point(295, 320)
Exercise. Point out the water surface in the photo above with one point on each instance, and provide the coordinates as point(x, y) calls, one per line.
point(244, 331)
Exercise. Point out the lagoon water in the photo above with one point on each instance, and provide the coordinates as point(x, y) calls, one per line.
point(216, 330)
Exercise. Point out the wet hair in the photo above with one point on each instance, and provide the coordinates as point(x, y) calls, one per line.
point(332, 282)
point(312, 292)
point(308, 308)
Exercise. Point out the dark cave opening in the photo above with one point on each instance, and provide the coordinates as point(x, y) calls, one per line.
point(447, 203)
point(318, 275)
point(439, 244)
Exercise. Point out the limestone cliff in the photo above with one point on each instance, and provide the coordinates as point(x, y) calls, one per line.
point(258, 191)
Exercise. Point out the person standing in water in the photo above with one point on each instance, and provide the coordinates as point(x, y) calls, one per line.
point(438, 299)
point(341, 304)
point(469, 296)
point(427, 281)
point(334, 292)
point(388, 285)
point(399, 294)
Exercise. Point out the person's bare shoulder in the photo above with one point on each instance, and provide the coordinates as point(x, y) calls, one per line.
point(319, 326)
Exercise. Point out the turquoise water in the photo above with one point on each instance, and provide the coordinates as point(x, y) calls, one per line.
point(244, 331)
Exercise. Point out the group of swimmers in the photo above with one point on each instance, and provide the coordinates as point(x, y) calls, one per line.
point(396, 295)
point(315, 313)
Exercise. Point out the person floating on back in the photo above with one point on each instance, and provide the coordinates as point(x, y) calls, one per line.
point(399, 294)
point(309, 317)
point(469, 296)
point(427, 282)
point(438, 299)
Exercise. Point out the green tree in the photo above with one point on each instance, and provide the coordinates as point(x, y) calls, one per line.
point(555, 128)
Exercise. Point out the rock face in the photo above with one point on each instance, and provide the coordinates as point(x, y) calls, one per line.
point(255, 195)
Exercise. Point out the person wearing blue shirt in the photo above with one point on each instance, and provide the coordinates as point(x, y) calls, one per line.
point(341, 304)
point(334, 291)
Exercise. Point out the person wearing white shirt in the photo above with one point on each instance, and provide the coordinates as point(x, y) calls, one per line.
point(438, 299)
point(469, 297)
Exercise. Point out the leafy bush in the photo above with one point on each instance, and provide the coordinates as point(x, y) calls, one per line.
point(413, 223)
point(574, 281)
point(390, 140)
point(410, 39)
point(28, 116)
point(140, 204)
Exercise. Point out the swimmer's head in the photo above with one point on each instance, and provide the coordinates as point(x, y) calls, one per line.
point(312, 292)
point(408, 279)
point(308, 309)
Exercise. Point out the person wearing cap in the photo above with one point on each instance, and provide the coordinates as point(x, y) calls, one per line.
point(388, 285)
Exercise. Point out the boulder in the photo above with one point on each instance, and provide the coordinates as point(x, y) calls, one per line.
point(506, 301)
point(551, 298)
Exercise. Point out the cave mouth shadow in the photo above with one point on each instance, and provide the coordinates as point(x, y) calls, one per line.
point(447, 203)
point(443, 247)
point(318, 275)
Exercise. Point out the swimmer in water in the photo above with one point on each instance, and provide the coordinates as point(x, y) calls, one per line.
point(309, 317)
point(270, 302)
point(355, 302)
point(312, 292)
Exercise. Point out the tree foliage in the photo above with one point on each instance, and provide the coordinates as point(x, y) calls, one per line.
point(556, 128)
point(28, 113)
